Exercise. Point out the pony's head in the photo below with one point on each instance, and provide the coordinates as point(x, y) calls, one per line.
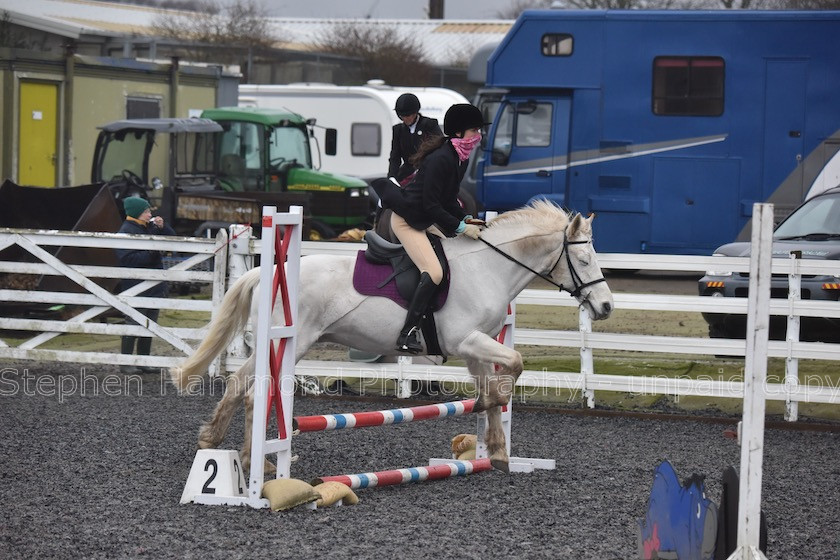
point(569, 258)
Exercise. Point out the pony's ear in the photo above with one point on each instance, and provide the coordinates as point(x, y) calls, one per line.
point(581, 225)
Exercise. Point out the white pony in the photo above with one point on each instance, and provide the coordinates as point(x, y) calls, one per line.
point(540, 239)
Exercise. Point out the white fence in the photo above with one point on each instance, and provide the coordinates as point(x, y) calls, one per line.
point(96, 302)
point(234, 258)
point(586, 381)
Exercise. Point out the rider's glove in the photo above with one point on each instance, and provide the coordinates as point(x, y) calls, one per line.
point(469, 230)
point(472, 230)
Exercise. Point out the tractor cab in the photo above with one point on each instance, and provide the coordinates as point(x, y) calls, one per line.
point(130, 160)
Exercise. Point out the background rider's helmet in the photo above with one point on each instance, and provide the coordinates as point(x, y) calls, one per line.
point(461, 117)
point(407, 104)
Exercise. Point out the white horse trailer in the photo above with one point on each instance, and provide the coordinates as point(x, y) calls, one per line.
point(362, 115)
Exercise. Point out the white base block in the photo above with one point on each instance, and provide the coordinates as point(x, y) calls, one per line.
point(747, 553)
point(544, 464)
point(215, 478)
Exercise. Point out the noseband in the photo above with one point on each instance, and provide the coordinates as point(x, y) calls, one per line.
point(577, 283)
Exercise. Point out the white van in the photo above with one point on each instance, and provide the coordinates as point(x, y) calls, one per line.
point(362, 115)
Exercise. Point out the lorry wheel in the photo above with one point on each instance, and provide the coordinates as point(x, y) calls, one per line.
point(320, 231)
point(467, 202)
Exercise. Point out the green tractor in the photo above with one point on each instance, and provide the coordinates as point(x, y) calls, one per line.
point(222, 168)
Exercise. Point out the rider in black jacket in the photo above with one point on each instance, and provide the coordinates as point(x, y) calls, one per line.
point(408, 135)
point(429, 204)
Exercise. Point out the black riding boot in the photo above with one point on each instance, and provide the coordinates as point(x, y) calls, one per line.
point(127, 347)
point(127, 344)
point(409, 339)
point(144, 346)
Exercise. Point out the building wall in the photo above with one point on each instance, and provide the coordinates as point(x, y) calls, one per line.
point(101, 99)
point(92, 92)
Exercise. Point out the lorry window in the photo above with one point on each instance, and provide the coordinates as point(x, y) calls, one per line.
point(489, 108)
point(556, 44)
point(288, 144)
point(365, 139)
point(504, 136)
point(688, 86)
point(533, 127)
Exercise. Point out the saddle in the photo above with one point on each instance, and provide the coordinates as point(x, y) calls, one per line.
point(385, 270)
point(404, 273)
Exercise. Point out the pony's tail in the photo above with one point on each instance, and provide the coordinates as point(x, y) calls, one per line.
point(229, 320)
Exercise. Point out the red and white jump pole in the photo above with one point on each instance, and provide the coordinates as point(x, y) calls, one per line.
point(405, 476)
point(327, 422)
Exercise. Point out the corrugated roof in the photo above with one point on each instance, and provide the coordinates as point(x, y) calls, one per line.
point(444, 42)
point(73, 18)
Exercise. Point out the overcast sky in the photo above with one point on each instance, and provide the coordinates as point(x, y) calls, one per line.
point(398, 9)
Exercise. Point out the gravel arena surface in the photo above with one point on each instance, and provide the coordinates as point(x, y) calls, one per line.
point(98, 474)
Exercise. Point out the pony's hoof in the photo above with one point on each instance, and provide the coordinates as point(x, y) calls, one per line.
point(501, 465)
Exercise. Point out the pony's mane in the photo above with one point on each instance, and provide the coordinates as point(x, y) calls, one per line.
point(541, 215)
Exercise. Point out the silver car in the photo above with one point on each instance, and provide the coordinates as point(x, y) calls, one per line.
point(814, 229)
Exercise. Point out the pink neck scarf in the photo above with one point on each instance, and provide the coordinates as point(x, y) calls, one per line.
point(465, 147)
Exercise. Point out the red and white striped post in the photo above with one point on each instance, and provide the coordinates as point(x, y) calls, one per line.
point(274, 381)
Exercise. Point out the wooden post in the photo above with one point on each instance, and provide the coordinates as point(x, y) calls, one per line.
point(755, 377)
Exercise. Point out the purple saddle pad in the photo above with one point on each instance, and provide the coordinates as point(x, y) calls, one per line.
point(367, 277)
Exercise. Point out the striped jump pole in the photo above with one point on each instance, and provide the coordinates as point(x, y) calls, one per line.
point(405, 476)
point(327, 422)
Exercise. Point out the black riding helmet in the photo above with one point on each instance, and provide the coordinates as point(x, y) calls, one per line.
point(461, 117)
point(407, 104)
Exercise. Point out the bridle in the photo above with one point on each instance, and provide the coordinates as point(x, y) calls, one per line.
point(577, 282)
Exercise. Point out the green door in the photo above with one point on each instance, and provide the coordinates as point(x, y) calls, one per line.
point(38, 140)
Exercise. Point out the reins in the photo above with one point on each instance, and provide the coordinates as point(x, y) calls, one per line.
point(577, 282)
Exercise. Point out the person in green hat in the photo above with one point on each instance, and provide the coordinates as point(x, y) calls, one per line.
point(139, 221)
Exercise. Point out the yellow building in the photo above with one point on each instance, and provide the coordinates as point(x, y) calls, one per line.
point(52, 106)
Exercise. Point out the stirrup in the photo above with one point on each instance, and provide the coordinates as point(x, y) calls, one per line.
point(409, 342)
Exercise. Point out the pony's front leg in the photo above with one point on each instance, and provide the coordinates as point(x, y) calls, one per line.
point(488, 393)
point(480, 349)
point(495, 440)
point(486, 384)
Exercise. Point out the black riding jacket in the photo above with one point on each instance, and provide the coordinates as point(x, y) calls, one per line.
point(432, 195)
point(404, 144)
point(143, 258)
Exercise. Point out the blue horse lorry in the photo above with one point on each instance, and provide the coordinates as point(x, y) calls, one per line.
point(668, 125)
